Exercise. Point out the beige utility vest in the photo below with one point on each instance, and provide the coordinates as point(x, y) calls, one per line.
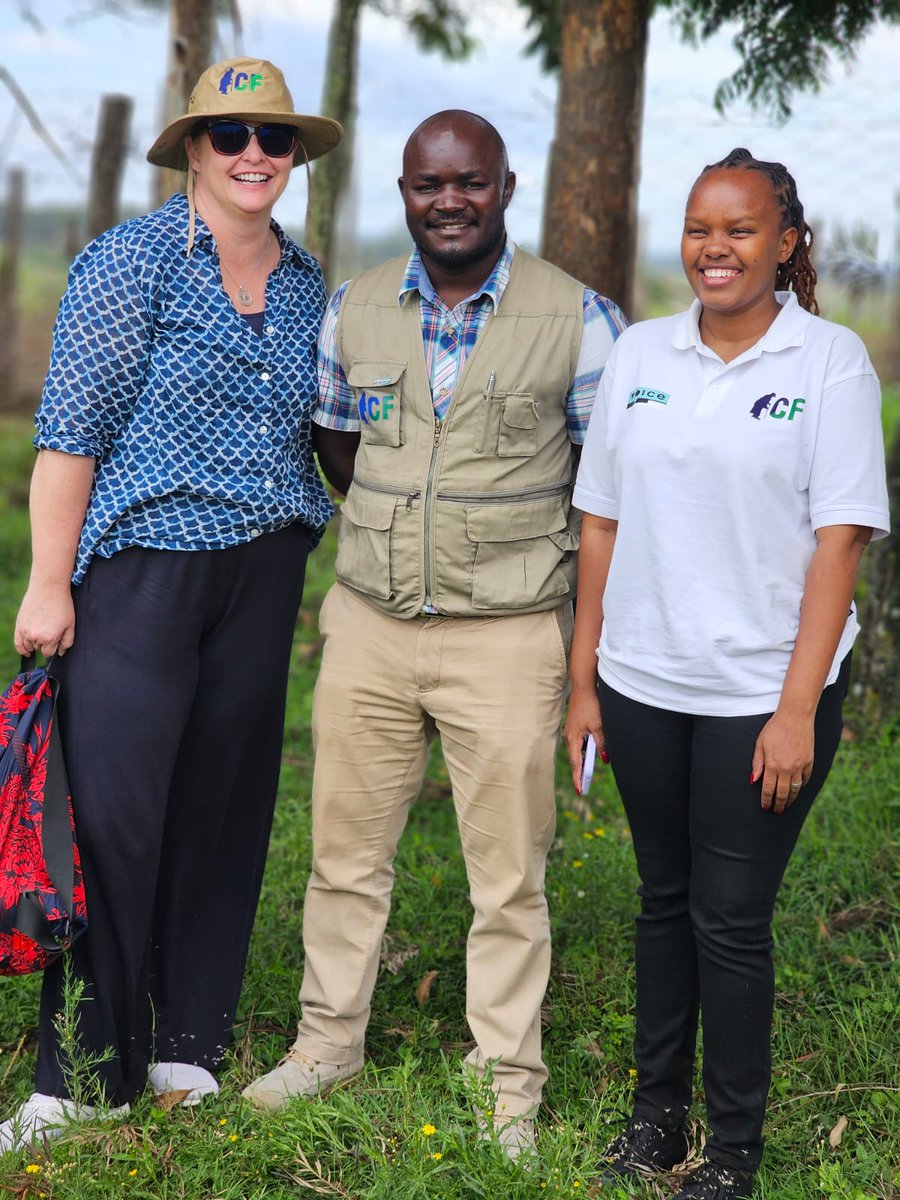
point(470, 514)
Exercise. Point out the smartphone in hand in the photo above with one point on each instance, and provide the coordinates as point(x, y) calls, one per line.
point(587, 766)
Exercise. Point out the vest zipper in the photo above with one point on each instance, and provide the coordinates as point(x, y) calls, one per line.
point(521, 496)
point(438, 426)
point(388, 491)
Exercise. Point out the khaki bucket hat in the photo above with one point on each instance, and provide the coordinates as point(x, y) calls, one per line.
point(247, 89)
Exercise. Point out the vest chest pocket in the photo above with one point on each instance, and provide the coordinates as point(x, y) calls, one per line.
point(510, 425)
point(378, 390)
point(364, 548)
point(521, 553)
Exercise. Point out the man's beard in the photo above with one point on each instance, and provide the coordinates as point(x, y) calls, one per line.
point(454, 258)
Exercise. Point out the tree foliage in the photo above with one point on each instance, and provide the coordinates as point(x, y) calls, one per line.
point(784, 45)
point(435, 24)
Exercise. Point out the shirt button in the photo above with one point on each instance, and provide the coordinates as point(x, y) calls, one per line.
point(270, 329)
point(269, 483)
point(265, 377)
point(263, 429)
point(253, 532)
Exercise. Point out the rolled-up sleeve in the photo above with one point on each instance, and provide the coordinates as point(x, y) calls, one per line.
point(101, 348)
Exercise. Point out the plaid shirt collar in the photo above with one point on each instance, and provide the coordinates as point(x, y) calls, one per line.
point(416, 279)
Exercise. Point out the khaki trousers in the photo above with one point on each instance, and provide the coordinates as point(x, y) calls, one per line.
point(493, 688)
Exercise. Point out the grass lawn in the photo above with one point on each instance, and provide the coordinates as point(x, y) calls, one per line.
point(834, 1121)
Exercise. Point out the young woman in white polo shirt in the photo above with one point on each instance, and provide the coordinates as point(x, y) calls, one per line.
point(732, 474)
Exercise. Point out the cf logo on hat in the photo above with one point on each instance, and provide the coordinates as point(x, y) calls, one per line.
point(238, 82)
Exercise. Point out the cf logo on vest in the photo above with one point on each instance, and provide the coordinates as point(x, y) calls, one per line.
point(240, 82)
point(375, 408)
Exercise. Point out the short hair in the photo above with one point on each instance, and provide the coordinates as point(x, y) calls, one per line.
point(452, 114)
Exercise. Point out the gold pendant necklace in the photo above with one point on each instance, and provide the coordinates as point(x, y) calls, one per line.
point(243, 294)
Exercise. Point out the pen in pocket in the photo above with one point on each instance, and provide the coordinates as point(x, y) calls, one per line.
point(486, 422)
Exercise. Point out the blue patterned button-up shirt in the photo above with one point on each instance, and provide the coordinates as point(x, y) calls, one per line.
point(200, 428)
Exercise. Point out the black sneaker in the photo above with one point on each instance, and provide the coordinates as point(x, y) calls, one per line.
point(714, 1182)
point(642, 1149)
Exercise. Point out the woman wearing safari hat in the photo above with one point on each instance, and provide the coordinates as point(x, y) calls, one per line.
point(174, 501)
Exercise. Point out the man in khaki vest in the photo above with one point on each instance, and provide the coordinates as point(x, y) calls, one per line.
point(452, 388)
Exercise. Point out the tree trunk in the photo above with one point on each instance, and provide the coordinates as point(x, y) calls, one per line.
point(332, 173)
point(875, 657)
point(191, 27)
point(590, 216)
point(9, 290)
point(893, 348)
point(107, 164)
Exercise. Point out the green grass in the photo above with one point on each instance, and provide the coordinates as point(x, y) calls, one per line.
point(835, 1037)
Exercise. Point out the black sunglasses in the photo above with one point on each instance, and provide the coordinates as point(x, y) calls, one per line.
point(233, 137)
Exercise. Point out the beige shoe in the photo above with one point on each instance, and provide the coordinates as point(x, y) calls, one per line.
point(516, 1137)
point(298, 1075)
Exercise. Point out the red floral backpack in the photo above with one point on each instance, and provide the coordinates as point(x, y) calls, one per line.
point(42, 908)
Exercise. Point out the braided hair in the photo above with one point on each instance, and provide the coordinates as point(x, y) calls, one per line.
point(797, 274)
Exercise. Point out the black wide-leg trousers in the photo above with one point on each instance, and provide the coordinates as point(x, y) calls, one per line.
point(710, 862)
point(172, 713)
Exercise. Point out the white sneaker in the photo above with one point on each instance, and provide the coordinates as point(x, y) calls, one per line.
point(48, 1117)
point(182, 1077)
point(297, 1075)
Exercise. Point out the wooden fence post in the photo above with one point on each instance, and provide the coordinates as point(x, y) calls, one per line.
point(9, 289)
point(108, 163)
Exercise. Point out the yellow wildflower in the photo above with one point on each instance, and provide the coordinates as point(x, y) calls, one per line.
point(223, 1121)
point(577, 863)
point(133, 1172)
point(428, 1130)
point(632, 1072)
point(599, 833)
point(32, 1169)
point(232, 1137)
point(438, 1156)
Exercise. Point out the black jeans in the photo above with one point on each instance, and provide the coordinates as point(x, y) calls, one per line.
point(171, 714)
point(710, 862)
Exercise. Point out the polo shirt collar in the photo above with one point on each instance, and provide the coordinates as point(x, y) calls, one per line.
point(788, 329)
point(417, 279)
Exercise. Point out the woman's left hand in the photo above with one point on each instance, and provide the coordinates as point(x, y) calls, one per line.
point(783, 757)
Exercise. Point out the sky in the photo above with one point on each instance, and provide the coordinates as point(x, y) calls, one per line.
point(841, 144)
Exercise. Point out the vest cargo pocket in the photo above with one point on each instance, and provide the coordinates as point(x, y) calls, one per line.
point(378, 390)
point(364, 545)
point(521, 552)
point(518, 426)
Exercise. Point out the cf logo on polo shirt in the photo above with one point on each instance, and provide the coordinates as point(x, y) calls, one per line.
point(779, 409)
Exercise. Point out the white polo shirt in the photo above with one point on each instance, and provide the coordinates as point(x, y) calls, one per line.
point(718, 475)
